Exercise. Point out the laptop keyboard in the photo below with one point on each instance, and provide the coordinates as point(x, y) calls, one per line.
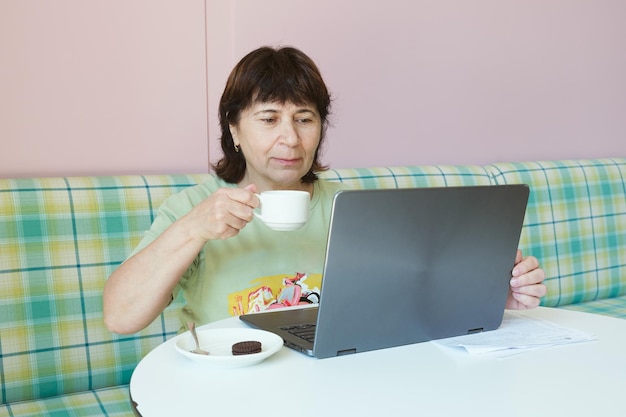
point(303, 331)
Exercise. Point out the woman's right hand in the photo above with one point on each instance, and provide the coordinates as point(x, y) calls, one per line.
point(223, 214)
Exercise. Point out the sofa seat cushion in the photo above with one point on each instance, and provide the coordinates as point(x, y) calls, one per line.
point(113, 401)
point(614, 307)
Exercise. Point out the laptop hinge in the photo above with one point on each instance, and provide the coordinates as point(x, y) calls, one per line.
point(476, 330)
point(346, 352)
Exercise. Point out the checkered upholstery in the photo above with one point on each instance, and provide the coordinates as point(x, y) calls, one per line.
point(60, 238)
point(110, 402)
point(575, 220)
point(576, 225)
point(410, 176)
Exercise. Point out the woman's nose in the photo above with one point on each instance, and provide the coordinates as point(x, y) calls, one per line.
point(289, 133)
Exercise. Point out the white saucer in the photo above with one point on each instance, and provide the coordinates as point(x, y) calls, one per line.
point(219, 343)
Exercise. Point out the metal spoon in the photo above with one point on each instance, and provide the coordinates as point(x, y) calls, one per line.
point(192, 328)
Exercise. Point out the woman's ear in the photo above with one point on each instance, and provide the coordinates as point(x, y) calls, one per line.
point(234, 134)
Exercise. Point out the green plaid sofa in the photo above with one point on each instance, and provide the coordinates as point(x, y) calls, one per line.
point(60, 238)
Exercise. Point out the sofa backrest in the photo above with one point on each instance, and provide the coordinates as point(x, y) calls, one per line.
point(575, 224)
point(60, 238)
point(410, 176)
point(575, 221)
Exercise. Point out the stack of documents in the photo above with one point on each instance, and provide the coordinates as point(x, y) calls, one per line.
point(517, 334)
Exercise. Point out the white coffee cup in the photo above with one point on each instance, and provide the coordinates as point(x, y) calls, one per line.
point(284, 209)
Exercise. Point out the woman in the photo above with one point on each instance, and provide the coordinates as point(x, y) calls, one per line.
point(273, 117)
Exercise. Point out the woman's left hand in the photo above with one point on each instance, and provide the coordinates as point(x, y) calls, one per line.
point(526, 286)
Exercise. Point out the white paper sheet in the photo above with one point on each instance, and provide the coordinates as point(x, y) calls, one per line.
point(517, 334)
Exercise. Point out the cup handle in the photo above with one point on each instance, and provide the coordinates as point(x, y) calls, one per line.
point(255, 212)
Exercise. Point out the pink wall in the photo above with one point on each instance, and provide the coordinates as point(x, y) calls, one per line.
point(450, 81)
point(101, 87)
point(132, 86)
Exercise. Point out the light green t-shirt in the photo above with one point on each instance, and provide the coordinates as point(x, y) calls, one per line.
point(256, 270)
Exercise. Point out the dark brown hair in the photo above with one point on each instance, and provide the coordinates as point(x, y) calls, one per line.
point(283, 75)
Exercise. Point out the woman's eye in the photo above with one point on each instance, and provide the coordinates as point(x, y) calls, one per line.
point(268, 120)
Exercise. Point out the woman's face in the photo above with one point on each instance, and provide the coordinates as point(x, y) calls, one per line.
point(279, 143)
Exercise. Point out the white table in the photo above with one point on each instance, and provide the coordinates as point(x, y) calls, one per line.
point(587, 379)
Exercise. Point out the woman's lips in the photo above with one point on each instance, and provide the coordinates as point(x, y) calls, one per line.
point(288, 161)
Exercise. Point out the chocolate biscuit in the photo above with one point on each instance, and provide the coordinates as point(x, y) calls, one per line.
point(246, 348)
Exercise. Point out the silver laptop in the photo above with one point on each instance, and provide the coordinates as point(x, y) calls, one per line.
point(408, 265)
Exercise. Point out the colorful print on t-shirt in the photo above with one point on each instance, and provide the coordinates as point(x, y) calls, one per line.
point(276, 291)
